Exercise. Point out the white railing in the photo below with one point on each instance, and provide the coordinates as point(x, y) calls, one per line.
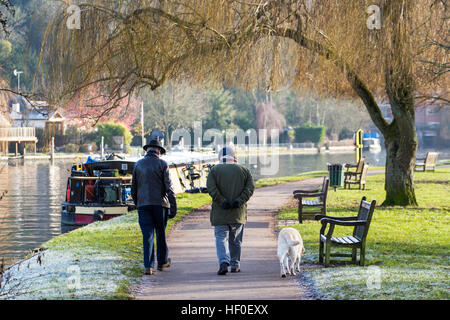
point(19, 133)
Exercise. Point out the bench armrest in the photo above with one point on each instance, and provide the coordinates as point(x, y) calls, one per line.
point(305, 191)
point(321, 216)
point(351, 173)
point(308, 195)
point(343, 223)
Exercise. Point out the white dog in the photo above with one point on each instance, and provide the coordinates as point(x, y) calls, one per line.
point(290, 247)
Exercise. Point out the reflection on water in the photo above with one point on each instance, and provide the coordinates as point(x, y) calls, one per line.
point(30, 211)
point(290, 164)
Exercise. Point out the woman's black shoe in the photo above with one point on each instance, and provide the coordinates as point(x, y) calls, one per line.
point(165, 265)
point(223, 269)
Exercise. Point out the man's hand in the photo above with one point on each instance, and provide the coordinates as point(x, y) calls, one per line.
point(236, 204)
point(172, 214)
point(226, 205)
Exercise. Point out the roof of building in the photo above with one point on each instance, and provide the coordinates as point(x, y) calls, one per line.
point(22, 109)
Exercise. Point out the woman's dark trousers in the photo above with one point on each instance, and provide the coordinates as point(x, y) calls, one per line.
point(153, 219)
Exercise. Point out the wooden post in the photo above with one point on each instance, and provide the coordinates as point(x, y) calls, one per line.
point(53, 149)
point(17, 149)
point(35, 148)
point(103, 147)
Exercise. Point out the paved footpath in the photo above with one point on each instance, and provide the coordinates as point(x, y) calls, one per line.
point(193, 274)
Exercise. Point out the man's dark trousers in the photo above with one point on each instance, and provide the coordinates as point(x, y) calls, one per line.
point(154, 219)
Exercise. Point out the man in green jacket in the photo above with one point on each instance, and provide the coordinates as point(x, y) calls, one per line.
point(230, 186)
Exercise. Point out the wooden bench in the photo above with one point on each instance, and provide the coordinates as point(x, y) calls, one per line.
point(427, 163)
point(356, 177)
point(360, 224)
point(318, 205)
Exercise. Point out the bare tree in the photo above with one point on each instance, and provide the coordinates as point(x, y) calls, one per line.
point(172, 106)
point(329, 45)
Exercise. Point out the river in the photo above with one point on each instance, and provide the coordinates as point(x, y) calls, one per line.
point(30, 210)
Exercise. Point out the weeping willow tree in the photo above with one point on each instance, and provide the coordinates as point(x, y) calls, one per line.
point(331, 46)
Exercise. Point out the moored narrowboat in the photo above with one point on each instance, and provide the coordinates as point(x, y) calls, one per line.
point(97, 190)
point(101, 190)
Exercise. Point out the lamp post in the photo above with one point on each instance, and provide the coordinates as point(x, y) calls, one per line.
point(17, 74)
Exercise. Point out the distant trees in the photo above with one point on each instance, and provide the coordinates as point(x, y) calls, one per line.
point(109, 130)
point(221, 110)
point(21, 42)
point(178, 105)
point(309, 133)
point(173, 105)
point(307, 106)
point(268, 117)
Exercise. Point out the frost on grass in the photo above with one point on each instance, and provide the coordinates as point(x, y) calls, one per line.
point(54, 274)
point(354, 282)
point(399, 277)
point(66, 272)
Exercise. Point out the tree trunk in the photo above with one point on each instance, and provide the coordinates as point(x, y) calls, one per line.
point(167, 137)
point(400, 136)
point(400, 160)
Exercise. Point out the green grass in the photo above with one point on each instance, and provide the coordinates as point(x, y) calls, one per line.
point(302, 176)
point(120, 237)
point(409, 245)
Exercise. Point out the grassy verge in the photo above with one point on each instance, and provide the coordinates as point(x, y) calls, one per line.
point(107, 257)
point(302, 176)
point(408, 246)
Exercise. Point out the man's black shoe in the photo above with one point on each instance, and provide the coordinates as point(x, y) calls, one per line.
point(223, 269)
point(235, 270)
point(165, 265)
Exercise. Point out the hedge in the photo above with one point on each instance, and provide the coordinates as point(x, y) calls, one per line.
point(308, 133)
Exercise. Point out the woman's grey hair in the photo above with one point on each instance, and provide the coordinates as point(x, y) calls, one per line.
point(226, 151)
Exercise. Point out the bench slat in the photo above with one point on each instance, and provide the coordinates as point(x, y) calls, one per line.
point(355, 240)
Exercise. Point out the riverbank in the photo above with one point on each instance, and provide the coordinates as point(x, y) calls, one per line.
point(281, 151)
point(104, 258)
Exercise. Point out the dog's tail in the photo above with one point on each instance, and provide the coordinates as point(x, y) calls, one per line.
point(293, 243)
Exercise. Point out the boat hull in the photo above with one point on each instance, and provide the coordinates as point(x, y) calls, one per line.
point(80, 215)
